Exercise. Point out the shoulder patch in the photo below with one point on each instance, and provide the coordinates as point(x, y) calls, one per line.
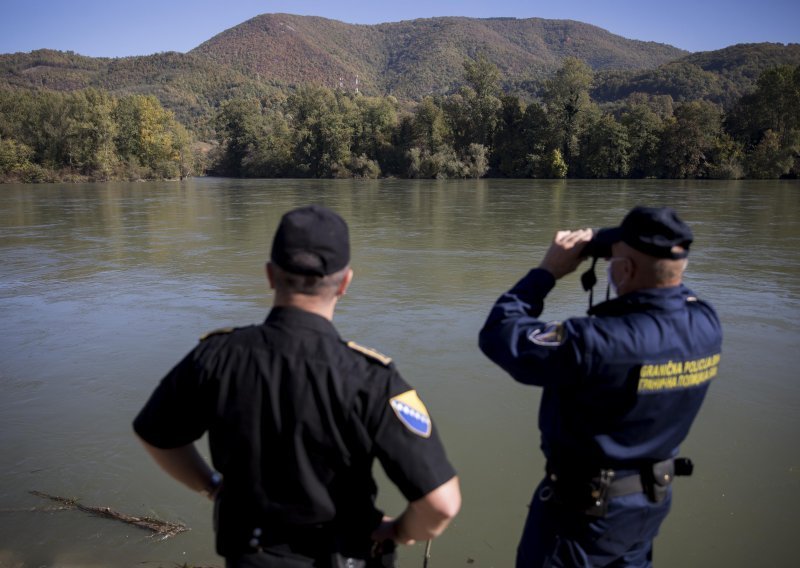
point(551, 335)
point(412, 413)
point(219, 331)
point(371, 353)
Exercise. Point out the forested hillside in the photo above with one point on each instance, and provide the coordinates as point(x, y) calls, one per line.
point(415, 58)
point(721, 76)
point(293, 96)
point(190, 86)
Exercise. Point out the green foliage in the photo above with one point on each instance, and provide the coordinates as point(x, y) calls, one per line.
point(553, 166)
point(644, 131)
point(149, 137)
point(64, 116)
point(605, 149)
point(431, 130)
point(689, 139)
point(476, 161)
point(723, 76)
point(89, 134)
point(769, 159)
point(483, 76)
point(322, 131)
point(568, 105)
point(13, 156)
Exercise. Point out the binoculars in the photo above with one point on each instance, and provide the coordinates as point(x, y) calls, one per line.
point(600, 245)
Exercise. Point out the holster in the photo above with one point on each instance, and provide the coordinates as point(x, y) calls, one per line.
point(583, 493)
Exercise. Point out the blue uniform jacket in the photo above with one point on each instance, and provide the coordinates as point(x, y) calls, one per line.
point(622, 386)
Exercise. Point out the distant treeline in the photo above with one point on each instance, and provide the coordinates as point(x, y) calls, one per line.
point(90, 135)
point(478, 131)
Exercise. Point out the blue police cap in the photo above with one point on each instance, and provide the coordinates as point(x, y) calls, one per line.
point(656, 231)
point(311, 240)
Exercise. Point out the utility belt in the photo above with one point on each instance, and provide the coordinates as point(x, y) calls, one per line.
point(591, 493)
point(320, 543)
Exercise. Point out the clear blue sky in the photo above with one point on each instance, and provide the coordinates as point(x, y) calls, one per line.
point(116, 28)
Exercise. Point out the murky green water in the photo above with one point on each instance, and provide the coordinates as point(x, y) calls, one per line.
point(103, 287)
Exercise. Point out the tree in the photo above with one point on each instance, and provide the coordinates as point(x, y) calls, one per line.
point(322, 130)
point(510, 148)
point(431, 131)
point(90, 131)
point(566, 98)
point(475, 112)
point(239, 127)
point(644, 129)
point(13, 156)
point(476, 161)
point(376, 122)
point(769, 159)
point(483, 76)
point(689, 140)
point(540, 144)
point(605, 149)
point(767, 122)
point(149, 137)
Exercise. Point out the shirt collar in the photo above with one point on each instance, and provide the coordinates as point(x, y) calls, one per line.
point(295, 317)
point(672, 298)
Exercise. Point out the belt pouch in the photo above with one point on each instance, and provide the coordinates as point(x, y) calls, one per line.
point(656, 480)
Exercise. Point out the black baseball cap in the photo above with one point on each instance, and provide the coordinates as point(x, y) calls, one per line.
point(311, 240)
point(655, 231)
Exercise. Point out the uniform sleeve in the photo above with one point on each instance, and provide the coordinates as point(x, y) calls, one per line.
point(406, 441)
point(179, 410)
point(532, 351)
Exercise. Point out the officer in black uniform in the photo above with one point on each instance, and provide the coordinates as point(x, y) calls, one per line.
point(621, 389)
point(296, 417)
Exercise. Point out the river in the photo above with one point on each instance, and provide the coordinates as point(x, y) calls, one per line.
point(103, 287)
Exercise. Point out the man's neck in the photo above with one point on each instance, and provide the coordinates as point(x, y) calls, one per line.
point(313, 304)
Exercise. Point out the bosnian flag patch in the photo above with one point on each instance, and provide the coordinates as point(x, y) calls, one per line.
point(410, 410)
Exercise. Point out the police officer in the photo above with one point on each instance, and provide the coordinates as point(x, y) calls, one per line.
point(621, 389)
point(296, 417)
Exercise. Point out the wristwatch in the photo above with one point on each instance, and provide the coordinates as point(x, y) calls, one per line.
point(213, 484)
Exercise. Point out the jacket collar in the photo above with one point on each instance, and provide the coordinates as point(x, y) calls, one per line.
point(667, 299)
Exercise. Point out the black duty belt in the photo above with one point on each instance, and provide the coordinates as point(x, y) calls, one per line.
point(591, 494)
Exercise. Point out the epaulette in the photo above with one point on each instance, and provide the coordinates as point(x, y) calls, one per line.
point(371, 353)
point(216, 332)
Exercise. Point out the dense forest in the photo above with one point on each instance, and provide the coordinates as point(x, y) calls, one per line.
point(480, 131)
point(315, 131)
point(732, 113)
point(91, 135)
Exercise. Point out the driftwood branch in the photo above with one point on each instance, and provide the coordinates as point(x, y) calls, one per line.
point(163, 529)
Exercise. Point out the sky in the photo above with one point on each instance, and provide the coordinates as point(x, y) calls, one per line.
point(118, 28)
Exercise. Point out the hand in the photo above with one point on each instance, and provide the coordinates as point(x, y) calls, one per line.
point(564, 254)
point(388, 530)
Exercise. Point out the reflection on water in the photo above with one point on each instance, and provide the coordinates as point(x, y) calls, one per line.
point(104, 286)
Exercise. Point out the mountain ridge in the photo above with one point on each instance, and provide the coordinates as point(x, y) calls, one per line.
point(408, 59)
point(412, 58)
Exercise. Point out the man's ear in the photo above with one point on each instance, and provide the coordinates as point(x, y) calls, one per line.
point(348, 277)
point(270, 275)
point(630, 268)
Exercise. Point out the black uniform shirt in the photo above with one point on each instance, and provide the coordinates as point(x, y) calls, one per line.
point(295, 418)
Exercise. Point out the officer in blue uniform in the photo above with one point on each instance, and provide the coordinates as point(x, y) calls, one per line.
point(296, 417)
point(621, 389)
